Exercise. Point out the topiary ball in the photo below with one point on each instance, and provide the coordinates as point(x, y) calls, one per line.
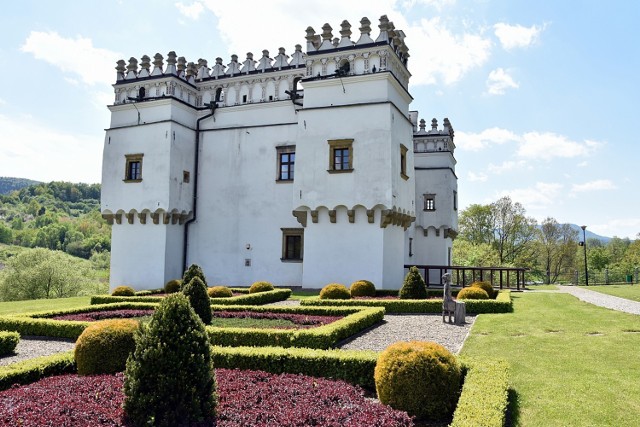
point(172, 286)
point(8, 342)
point(335, 291)
point(472, 293)
point(196, 291)
point(362, 288)
point(194, 270)
point(169, 380)
point(219, 292)
point(104, 346)
point(123, 291)
point(261, 287)
point(421, 378)
point(486, 286)
point(413, 286)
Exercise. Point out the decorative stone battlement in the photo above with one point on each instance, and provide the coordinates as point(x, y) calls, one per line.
point(434, 139)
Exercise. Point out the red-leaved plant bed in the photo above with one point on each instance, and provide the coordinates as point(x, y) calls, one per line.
point(303, 321)
point(246, 398)
point(105, 314)
point(389, 297)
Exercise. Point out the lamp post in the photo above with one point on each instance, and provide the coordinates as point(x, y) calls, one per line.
point(584, 244)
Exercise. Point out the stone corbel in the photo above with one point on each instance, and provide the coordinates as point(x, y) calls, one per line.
point(301, 216)
point(108, 218)
point(118, 218)
point(183, 218)
point(175, 217)
point(370, 215)
point(314, 216)
point(332, 216)
point(129, 216)
point(450, 233)
point(437, 232)
point(386, 217)
point(351, 213)
point(142, 216)
point(155, 217)
point(166, 217)
point(425, 231)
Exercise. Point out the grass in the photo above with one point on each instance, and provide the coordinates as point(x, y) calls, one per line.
point(572, 363)
point(631, 292)
point(17, 307)
point(542, 287)
point(252, 323)
point(299, 294)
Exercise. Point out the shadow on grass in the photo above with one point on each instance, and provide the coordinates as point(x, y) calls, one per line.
point(513, 409)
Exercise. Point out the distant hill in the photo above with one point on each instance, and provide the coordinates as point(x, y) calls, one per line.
point(590, 235)
point(7, 184)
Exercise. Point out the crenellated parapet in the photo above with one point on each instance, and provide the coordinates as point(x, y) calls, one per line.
point(433, 139)
point(146, 216)
point(380, 214)
point(344, 56)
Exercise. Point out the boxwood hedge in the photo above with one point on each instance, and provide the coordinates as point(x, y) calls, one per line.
point(8, 342)
point(247, 299)
point(34, 369)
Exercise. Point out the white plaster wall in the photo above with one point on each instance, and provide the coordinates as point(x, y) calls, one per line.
point(393, 263)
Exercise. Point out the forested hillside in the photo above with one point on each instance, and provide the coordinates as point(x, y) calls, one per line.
point(59, 216)
point(7, 185)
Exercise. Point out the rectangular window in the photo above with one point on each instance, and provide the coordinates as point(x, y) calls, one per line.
point(133, 167)
point(340, 155)
point(429, 202)
point(292, 244)
point(286, 163)
point(455, 200)
point(403, 162)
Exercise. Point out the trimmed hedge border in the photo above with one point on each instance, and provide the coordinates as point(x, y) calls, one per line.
point(485, 395)
point(502, 304)
point(32, 370)
point(248, 299)
point(8, 342)
point(355, 320)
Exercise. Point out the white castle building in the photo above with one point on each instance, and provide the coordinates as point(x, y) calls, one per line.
point(300, 170)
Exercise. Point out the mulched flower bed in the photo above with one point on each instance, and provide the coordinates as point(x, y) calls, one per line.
point(105, 314)
point(246, 398)
point(302, 321)
point(389, 297)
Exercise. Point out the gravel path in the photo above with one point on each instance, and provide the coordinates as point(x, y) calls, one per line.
point(30, 347)
point(407, 327)
point(602, 300)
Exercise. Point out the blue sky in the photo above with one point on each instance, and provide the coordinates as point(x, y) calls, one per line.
point(543, 95)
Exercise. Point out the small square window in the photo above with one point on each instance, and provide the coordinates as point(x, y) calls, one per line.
point(292, 244)
point(133, 167)
point(403, 162)
point(286, 163)
point(429, 202)
point(186, 176)
point(340, 155)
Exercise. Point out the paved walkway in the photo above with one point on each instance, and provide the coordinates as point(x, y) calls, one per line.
point(602, 300)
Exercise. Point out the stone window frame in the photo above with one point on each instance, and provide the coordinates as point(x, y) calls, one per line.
point(285, 150)
point(336, 145)
point(292, 233)
point(455, 200)
point(130, 160)
point(429, 202)
point(403, 162)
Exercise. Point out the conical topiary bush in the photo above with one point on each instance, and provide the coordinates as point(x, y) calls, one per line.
point(194, 270)
point(196, 291)
point(413, 286)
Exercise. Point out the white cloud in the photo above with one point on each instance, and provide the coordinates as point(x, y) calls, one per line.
point(192, 12)
point(31, 150)
point(77, 57)
point(478, 141)
point(540, 196)
point(514, 36)
point(436, 4)
point(439, 53)
point(506, 166)
point(597, 185)
point(548, 145)
point(499, 81)
point(477, 177)
point(621, 227)
point(583, 164)
point(2, 102)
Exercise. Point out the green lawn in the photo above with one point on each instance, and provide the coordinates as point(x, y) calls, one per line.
point(298, 294)
point(252, 323)
point(13, 307)
point(542, 287)
point(572, 363)
point(631, 292)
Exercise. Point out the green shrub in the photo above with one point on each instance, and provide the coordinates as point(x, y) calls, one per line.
point(194, 270)
point(196, 291)
point(123, 291)
point(421, 378)
point(219, 292)
point(143, 293)
point(247, 299)
point(104, 346)
point(335, 291)
point(31, 370)
point(473, 293)
point(413, 286)
point(362, 288)
point(169, 378)
point(486, 286)
point(8, 342)
point(172, 286)
point(260, 287)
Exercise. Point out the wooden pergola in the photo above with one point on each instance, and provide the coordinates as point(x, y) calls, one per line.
point(499, 277)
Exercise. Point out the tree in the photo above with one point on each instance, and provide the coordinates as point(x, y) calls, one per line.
point(513, 231)
point(6, 234)
point(466, 253)
point(476, 224)
point(558, 244)
point(41, 273)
